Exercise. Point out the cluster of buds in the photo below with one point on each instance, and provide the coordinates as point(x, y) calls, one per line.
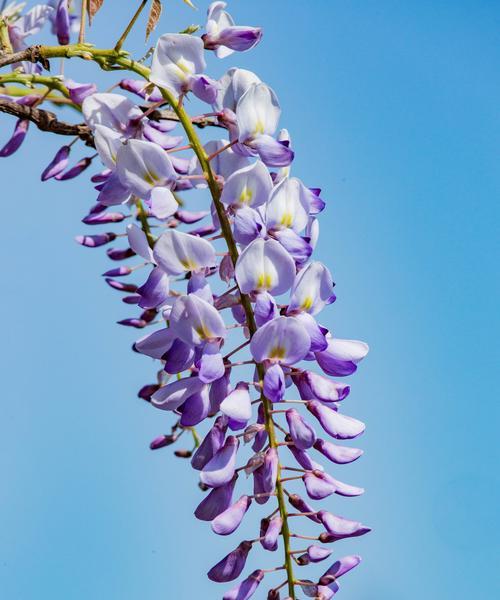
point(231, 295)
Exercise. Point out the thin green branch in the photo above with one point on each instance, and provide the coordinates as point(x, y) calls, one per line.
point(128, 29)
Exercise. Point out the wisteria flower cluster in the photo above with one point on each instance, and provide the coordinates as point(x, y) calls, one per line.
point(227, 292)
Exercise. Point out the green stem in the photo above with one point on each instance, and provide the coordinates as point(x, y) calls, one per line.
point(128, 29)
point(54, 83)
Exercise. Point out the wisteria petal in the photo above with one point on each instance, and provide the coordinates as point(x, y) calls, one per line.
point(312, 386)
point(282, 340)
point(340, 455)
point(264, 478)
point(312, 289)
point(237, 405)
point(274, 383)
point(177, 57)
point(163, 203)
point(247, 226)
point(303, 435)
point(229, 520)
point(139, 242)
point(57, 164)
point(177, 252)
point(338, 426)
point(249, 186)
point(270, 533)
point(143, 165)
point(339, 568)
point(211, 443)
point(264, 266)
point(341, 356)
point(196, 321)
point(215, 502)
point(246, 589)
point(220, 468)
point(112, 110)
point(211, 365)
point(265, 308)
point(204, 88)
point(288, 206)
point(317, 334)
point(341, 527)
point(195, 408)
point(155, 290)
point(258, 112)
point(318, 485)
point(173, 395)
point(231, 566)
point(233, 86)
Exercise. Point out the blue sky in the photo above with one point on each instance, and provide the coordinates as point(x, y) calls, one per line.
point(393, 110)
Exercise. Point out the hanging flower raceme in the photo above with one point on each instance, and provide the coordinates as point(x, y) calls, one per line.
point(226, 293)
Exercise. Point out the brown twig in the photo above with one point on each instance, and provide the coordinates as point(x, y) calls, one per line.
point(47, 121)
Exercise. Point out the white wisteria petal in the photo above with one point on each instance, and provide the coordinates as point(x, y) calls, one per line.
point(143, 166)
point(258, 112)
point(264, 265)
point(249, 186)
point(177, 57)
point(177, 252)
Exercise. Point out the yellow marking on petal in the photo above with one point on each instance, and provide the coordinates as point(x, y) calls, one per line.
point(246, 195)
point(151, 177)
point(189, 265)
point(278, 352)
point(259, 128)
point(287, 219)
point(308, 302)
point(183, 66)
point(264, 281)
point(204, 332)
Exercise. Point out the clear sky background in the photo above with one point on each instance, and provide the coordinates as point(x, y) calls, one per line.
point(394, 112)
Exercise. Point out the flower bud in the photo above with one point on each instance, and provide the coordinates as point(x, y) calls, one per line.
point(120, 253)
point(94, 241)
point(57, 164)
point(80, 166)
point(183, 453)
point(162, 441)
point(17, 138)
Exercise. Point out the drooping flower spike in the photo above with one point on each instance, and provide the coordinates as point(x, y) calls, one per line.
point(224, 288)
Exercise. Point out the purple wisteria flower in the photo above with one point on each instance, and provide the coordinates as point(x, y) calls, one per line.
point(212, 254)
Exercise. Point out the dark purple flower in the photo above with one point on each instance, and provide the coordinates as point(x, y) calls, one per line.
point(264, 478)
point(94, 241)
point(62, 22)
point(211, 444)
point(231, 566)
point(216, 502)
point(76, 170)
point(17, 138)
point(57, 164)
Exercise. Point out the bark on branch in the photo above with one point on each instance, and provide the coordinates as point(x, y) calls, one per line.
point(47, 121)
